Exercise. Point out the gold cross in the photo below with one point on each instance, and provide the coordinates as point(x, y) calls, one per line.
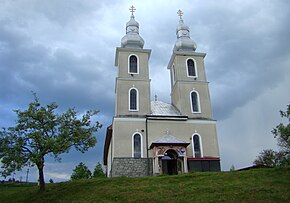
point(132, 9)
point(179, 13)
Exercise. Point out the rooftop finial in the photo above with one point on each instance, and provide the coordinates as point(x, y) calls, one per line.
point(180, 13)
point(156, 97)
point(132, 9)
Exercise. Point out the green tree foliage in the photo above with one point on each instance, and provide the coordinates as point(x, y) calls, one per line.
point(267, 157)
point(98, 171)
point(282, 132)
point(81, 171)
point(40, 131)
point(281, 158)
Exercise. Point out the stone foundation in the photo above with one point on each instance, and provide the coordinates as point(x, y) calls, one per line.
point(131, 167)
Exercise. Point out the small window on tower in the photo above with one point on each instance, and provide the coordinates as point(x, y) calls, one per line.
point(133, 64)
point(191, 69)
point(133, 100)
point(173, 74)
point(194, 97)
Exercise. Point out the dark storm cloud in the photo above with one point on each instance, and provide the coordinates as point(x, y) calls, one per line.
point(60, 74)
point(245, 46)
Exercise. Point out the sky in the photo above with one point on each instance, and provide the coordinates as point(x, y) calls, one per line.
point(64, 51)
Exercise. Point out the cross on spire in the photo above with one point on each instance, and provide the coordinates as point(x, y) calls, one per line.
point(180, 13)
point(132, 9)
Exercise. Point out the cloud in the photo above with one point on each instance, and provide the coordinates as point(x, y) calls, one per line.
point(247, 131)
point(57, 176)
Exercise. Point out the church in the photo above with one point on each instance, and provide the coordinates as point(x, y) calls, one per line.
point(153, 137)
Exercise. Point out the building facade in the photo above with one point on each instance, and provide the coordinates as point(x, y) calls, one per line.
point(153, 137)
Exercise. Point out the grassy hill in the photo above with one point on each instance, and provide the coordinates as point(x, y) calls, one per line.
point(259, 185)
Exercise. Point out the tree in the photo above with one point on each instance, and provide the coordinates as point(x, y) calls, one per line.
point(232, 168)
point(81, 171)
point(281, 158)
point(40, 131)
point(282, 132)
point(267, 157)
point(98, 171)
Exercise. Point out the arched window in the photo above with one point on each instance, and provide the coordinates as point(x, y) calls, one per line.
point(137, 145)
point(195, 104)
point(133, 99)
point(191, 69)
point(197, 146)
point(173, 74)
point(133, 64)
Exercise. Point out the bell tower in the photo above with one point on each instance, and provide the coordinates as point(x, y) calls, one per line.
point(133, 83)
point(189, 87)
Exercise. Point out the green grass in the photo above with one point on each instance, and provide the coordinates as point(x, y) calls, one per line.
point(260, 185)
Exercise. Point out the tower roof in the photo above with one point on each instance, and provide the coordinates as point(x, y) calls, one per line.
point(132, 39)
point(183, 42)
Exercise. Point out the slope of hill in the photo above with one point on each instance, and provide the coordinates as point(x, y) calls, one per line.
point(259, 185)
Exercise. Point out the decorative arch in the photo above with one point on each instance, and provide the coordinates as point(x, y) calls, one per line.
point(170, 154)
point(197, 149)
point(191, 68)
point(195, 102)
point(133, 99)
point(133, 64)
point(137, 145)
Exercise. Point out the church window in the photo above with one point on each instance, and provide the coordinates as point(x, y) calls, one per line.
point(133, 99)
point(173, 74)
point(133, 64)
point(137, 145)
point(191, 68)
point(195, 104)
point(197, 146)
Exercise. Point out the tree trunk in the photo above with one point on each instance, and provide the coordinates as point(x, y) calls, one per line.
point(41, 176)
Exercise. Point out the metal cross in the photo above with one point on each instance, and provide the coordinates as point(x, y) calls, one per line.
point(132, 9)
point(179, 13)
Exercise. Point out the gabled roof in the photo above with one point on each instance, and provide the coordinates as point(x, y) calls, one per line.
point(169, 140)
point(163, 109)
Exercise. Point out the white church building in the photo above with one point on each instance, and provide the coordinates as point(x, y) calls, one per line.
point(153, 137)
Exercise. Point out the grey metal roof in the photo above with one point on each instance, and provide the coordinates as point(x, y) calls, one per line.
point(164, 109)
point(170, 139)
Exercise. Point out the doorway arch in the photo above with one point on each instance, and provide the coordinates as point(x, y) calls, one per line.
point(170, 162)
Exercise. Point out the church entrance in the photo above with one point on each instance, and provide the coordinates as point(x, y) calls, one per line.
point(170, 162)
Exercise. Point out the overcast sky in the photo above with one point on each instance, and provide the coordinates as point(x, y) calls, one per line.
point(64, 50)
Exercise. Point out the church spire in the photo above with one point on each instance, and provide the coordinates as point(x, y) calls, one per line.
point(183, 42)
point(132, 39)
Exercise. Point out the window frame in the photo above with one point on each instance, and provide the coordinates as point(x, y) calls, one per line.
point(129, 71)
point(173, 74)
point(200, 145)
point(198, 102)
point(137, 99)
point(195, 68)
point(141, 143)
